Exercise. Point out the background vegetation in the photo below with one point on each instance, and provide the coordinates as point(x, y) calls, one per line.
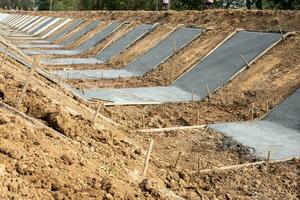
point(145, 4)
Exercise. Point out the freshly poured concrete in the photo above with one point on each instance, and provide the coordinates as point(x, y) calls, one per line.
point(75, 36)
point(214, 71)
point(98, 37)
point(52, 22)
point(63, 23)
point(58, 35)
point(279, 131)
point(66, 30)
point(114, 49)
point(45, 23)
point(146, 62)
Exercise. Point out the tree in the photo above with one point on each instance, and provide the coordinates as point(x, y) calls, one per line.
point(25, 4)
point(43, 4)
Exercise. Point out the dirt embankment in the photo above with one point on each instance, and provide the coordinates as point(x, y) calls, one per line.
point(103, 159)
point(253, 19)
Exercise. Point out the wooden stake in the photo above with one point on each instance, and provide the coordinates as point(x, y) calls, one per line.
point(281, 33)
point(245, 61)
point(252, 111)
point(193, 95)
point(147, 159)
point(33, 68)
point(267, 106)
point(174, 45)
point(177, 160)
point(5, 57)
point(124, 83)
point(207, 92)
point(269, 155)
point(82, 88)
point(198, 164)
point(143, 121)
point(198, 117)
point(97, 111)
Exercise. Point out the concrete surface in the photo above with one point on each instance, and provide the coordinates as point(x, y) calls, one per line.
point(98, 37)
point(279, 131)
point(148, 61)
point(214, 71)
point(114, 49)
point(75, 36)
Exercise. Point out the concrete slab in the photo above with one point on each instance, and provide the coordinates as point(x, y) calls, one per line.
point(153, 57)
point(143, 94)
point(92, 74)
point(45, 23)
point(29, 22)
point(47, 26)
point(214, 71)
point(225, 61)
point(63, 23)
point(24, 21)
point(60, 34)
point(122, 43)
point(37, 24)
point(68, 41)
point(66, 30)
point(114, 49)
point(101, 35)
point(279, 131)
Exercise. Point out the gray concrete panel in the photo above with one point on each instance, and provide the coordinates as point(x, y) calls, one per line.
point(112, 50)
point(46, 22)
point(92, 74)
point(66, 30)
point(143, 94)
point(225, 61)
point(123, 42)
point(30, 22)
point(80, 33)
point(163, 50)
point(287, 113)
point(279, 131)
point(101, 35)
point(68, 41)
point(263, 136)
point(141, 65)
point(70, 61)
point(217, 68)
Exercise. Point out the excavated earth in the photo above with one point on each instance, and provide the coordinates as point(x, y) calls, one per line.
point(53, 149)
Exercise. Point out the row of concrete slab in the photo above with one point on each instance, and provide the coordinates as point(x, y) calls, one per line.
point(213, 71)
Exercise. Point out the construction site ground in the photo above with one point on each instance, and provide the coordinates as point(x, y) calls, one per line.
point(52, 149)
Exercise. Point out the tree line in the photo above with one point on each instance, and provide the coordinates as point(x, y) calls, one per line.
point(145, 4)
